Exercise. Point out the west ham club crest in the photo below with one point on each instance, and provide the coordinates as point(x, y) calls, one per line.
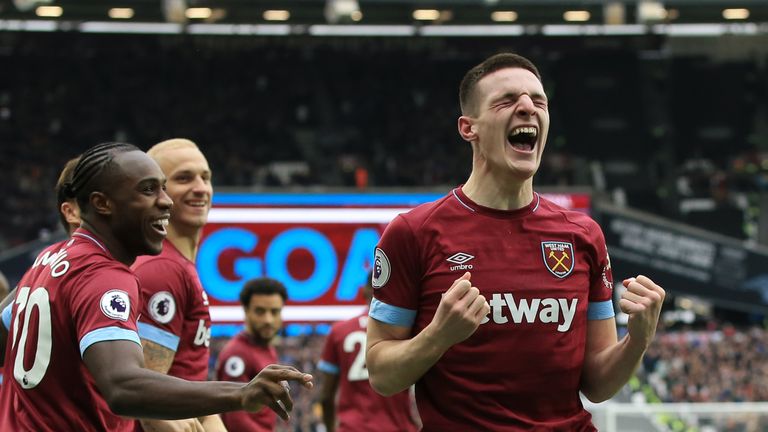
point(558, 257)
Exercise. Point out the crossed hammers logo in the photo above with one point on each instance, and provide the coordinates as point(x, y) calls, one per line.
point(559, 260)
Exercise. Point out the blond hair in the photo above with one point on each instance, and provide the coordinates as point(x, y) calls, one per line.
point(170, 144)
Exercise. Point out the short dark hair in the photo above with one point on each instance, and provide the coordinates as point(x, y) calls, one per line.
point(488, 66)
point(61, 197)
point(87, 175)
point(262, 286)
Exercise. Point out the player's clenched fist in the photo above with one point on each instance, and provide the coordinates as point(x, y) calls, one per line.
point(460, 312)
point(642, 302)
point(270, 388)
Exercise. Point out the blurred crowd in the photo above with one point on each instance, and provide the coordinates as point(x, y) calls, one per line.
point(723, 363)
point(367, 112)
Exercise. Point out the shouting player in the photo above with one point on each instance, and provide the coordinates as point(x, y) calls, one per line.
point(174, 324)
point(349, 403)
point(246, 354)
point(73, 359)
point(496, 302)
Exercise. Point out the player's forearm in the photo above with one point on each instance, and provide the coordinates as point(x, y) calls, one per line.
point(395, 365)
point(329, 414)
point(606, 372)
point(147, 394)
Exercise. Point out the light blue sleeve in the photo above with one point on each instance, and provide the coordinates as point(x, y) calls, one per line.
point(393, 315)
point(159, 336)
point(6, 316)
point(600, 310)
point(107, 334)
point(328, 367)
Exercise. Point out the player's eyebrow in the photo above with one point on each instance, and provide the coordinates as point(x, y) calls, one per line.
point(188, 171)
point(151, 181)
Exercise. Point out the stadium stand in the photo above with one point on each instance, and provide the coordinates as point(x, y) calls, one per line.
point(308, 112)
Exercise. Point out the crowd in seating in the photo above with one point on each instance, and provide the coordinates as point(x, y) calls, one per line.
point(722, 363)
point(375, 112)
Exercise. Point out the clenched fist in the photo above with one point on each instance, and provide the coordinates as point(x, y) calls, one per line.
point(460, 312)
point(642, 302)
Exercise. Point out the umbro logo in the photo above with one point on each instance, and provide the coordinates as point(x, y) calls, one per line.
point(460, 259)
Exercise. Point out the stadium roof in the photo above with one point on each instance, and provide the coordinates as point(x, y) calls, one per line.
point(523, 16)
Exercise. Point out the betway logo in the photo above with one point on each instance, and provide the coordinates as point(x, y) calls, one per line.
point(547, 310)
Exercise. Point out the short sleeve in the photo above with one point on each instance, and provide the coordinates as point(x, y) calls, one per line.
point(104, 306)
point(396, 275)
point(329, 360)
point(601, 278)
point(233, 364)
point(163, 298)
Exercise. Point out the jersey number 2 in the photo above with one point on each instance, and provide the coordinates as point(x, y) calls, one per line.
point(26, 302)
point(358, 371)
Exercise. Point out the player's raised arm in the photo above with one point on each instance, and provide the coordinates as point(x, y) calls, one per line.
point(609, 364)
point(396, 361)
point(131, 390)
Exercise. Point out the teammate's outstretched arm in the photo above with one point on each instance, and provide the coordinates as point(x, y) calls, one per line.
point(609, 364)
point(133, 391)
point(395, 361)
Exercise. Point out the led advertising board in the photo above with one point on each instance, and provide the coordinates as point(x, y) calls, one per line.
point(319, 245)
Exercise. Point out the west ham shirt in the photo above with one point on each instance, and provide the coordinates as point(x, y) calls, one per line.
point(74, 295)
point(240, 360)
point(359, 407)
point(174, 311)
point(544, 270)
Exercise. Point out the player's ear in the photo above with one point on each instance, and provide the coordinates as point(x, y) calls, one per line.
point(467, 128)
point(100, 203)
point(71, 212)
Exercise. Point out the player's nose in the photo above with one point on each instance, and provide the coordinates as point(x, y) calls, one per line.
point(525, 106)
point(164, 200)
point(201, 186)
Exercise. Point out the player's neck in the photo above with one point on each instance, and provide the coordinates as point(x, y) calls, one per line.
point(110, 242)
point(488, 191)
point(253, 337)
point(186, 242)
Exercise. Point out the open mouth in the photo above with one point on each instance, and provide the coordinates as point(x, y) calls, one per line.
point(160, 225)
point(196, 203)
point(523, 138)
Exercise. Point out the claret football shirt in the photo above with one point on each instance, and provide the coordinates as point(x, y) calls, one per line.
point(74, 295)
point(544, 270)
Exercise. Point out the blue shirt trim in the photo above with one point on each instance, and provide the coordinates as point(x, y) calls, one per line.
point(159, 336)
point(600, 310)
point(107, 334)
point(328, 367)
point(393, 315)
point(7, 312)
